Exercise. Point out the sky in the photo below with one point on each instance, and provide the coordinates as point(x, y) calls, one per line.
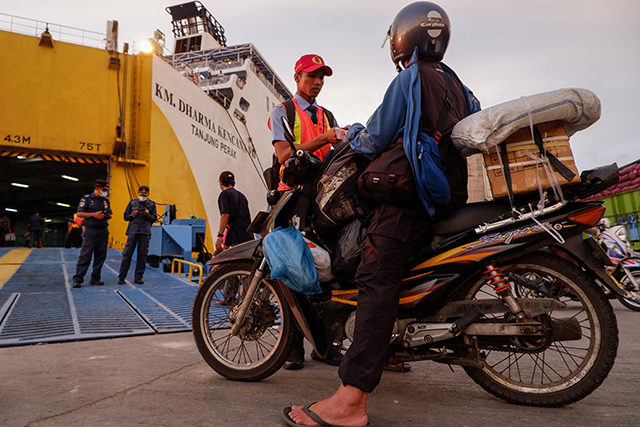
point(501, 49)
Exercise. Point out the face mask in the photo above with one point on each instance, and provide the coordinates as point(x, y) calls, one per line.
point(143, 198)
point(103, 193)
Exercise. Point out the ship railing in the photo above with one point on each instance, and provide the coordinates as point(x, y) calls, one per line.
point(240, 53)
point(219, 97)
point(31, 27)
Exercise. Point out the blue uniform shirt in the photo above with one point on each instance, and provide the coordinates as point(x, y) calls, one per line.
point(91, 203)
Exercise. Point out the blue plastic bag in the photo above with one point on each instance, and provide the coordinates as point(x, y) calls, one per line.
point(290, 260)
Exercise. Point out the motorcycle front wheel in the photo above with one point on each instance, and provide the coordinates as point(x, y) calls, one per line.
point(573, 355)
point(625, 282)
point(266, 337)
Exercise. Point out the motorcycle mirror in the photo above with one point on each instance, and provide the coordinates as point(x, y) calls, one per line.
point(288, 134)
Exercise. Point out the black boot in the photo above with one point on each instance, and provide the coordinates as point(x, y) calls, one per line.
point(296, 359)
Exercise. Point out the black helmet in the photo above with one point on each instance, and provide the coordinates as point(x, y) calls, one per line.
point(424, 25)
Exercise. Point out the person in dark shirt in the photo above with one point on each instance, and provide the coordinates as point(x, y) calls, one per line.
point(95, 209)
point(141, 214)
point(234, 221)
point(234, 214)
point(37, 227)
point(5, 228)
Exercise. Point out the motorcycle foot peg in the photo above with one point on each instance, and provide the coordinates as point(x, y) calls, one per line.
point(463, 323)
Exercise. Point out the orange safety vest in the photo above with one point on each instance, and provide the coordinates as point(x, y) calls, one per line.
point(305, 130)
point(76, 222)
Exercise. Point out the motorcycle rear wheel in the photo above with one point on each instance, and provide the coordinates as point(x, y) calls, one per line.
point(268, 333)
point(549, 371)
point(624, 280)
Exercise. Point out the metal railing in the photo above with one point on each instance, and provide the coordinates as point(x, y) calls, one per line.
point(31, 27)
point(191, 267)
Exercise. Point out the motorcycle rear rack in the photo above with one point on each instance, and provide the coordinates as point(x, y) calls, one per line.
point(481, 229)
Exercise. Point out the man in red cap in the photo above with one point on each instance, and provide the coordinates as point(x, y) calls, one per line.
point(315, 130)
point(313, 126)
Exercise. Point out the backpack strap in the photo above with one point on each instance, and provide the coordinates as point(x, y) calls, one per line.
point(444, 113)
point(290, 109)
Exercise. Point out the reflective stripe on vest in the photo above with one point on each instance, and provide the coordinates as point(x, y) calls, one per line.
point(304, 130)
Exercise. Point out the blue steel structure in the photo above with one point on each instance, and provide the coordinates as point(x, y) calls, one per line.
point(177, 238)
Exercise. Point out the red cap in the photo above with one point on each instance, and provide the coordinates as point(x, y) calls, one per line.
point(309, 63)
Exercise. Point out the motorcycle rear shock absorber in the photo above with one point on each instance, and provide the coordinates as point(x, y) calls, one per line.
point(502, 287)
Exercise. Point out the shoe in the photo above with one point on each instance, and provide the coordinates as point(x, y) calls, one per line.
point(334, 358)
point(138, 282)
point(121, 282)
point(398, 367)
point(294, 366)
point(94, 282)
point(77, 284)
point(296, 359)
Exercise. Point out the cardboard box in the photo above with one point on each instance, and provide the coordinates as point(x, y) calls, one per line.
point(525, 170)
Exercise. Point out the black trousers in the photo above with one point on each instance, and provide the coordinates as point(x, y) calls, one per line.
point(74, 238)
point(35, 239)
point(391, 237)
point(94, 244)
point(133, 240)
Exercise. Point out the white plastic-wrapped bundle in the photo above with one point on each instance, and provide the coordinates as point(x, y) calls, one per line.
point(482, 131)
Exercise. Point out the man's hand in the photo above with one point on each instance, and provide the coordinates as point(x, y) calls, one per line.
point(219, 246)
point(98, 215)
point(144, 212)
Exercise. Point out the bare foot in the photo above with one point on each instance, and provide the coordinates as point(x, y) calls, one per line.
point(347, 407)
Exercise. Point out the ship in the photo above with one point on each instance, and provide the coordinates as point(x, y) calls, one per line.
point(173, 120)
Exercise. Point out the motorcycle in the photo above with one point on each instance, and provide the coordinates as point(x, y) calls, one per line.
point(513, 296)
point(625, 261)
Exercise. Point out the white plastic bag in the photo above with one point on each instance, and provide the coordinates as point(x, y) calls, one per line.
point(322, 261)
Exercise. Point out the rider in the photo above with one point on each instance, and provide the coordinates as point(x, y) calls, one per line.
point(421, 28)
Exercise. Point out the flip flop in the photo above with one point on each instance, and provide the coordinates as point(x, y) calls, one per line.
point(287, 419)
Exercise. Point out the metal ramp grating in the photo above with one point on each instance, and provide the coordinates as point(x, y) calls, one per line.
point(38, 304)
point(36, 317)
point(102, 311)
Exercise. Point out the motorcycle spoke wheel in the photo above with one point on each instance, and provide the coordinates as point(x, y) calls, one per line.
point(266, 337)
point(574, 354)
point(624, 280)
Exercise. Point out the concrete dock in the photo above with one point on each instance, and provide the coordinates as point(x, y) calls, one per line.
point(160, 379)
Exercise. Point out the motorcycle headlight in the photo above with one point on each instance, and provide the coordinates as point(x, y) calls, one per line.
point(621, 233)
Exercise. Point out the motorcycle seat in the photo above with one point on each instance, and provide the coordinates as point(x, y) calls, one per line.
point(469, 216)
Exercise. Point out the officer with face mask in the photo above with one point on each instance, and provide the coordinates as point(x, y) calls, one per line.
point(140, 213)
point(95, 209)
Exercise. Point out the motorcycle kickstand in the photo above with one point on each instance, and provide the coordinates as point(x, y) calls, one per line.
point(251, 292)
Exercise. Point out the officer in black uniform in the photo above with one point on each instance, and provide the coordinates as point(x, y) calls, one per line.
point(140, 213)
point(96, 211)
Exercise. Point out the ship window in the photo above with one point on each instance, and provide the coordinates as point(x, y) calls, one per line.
point(267, 103)
point(244, 104)
point(189, 44)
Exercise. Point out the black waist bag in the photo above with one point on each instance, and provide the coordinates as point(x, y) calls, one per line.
point(389, 178)
point(337, 200)
point(337, 188)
